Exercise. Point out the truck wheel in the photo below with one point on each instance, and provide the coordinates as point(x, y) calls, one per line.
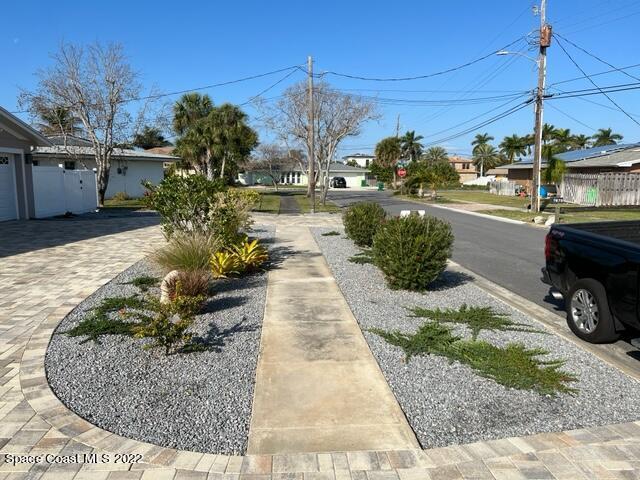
point(588, 313)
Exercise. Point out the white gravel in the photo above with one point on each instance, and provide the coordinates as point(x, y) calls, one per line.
point(447, 403)
point(196, 401)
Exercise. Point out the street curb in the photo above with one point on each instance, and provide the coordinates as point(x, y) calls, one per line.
point(615, 354)
point(492, 217)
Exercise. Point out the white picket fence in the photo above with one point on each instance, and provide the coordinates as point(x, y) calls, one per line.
point(502, 187)
point(57, 191)
point(601, 189)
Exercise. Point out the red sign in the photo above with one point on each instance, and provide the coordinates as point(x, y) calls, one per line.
point(402, 172)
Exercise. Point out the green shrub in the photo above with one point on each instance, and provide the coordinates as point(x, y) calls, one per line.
point(195, 204)
point(412, 251)
point(187, 252)
point(361, 221)
point(120, 196)
point(169, 322)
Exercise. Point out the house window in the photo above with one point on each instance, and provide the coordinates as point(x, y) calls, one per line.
point(4, 160)
point(69, 165)
point(35, 163)
point(298, 177)
point(465, 166)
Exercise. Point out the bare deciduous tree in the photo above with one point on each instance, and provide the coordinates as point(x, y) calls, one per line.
point(273, 160)
point(93, 83)
point(336, 115)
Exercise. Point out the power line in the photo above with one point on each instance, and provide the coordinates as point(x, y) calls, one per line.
point(595, 85)
point(179, 92)
point(270, 87)
point(575, 79)
point(588, 100)
point(571, 117)
point(420, 77)
point(557, 35)
point(595, 91)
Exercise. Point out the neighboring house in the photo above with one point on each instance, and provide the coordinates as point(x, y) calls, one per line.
point(608, 158)
point(464, 167)
point(363, 160)
point(128, 167)
point(16, 187)
point(354, 176)
point(499, 172)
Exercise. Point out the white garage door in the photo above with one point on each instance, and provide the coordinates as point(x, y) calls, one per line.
point(7, 187)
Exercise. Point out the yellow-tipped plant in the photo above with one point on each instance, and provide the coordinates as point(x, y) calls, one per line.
point(250, 255)
point(224, 263)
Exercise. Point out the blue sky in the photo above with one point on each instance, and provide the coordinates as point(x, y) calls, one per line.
point(187, 44)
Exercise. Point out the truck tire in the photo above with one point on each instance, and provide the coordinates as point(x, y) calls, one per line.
point(588, 312)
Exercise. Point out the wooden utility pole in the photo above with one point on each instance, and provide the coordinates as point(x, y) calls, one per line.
point(545, 41)
point(312, 137)
point(398, 126)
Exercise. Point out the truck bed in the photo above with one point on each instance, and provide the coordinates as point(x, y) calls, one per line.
point(626, 231)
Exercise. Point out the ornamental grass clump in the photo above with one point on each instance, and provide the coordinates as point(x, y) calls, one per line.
point(412, 251)
point(361, 222)
point(189, 251)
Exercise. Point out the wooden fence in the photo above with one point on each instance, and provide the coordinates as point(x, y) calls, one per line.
point(601, 189)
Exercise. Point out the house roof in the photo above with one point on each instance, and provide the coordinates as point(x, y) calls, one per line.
point(336, 167)
point(69, 140)
point(16, 127)
point(606, 156)
point(497, 171)
point(458, 159)
point(85, 151)
point(358, 155)
point(162, 150)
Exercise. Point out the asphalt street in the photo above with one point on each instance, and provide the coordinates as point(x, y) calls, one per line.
point(508, 254)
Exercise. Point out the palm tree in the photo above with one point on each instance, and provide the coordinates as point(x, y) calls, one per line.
point(435, 155)
point(411, 146)
point(580, 141)
point(189, 109)
point(562, 138)
point(388, 152)
point(481, 139)
point(513, 146)
point(150, 137)
point(604, 136)
point(555, 168)
point(487, 157)
point(548, 133)
point(58, 121)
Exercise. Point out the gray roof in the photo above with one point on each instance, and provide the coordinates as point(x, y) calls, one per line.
point(20, 129)
point(616, 156)
point(359, 155)
point(90, 152)
point(341, 167)
point(60, 139)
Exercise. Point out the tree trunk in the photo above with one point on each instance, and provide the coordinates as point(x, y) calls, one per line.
point(224, 161)
point(395, 185)
point(102, 180)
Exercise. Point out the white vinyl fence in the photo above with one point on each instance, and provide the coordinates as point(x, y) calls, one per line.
point(504, 187)
point(601, 189)
point(57, 191)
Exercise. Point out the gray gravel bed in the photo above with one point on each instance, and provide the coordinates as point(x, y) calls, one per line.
point(197, 401)
point(447, 403)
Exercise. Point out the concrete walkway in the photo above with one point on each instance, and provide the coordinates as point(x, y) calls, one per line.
point(318, 387)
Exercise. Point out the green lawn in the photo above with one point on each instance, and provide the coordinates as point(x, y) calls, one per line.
point(305, 204)
point(269, 203)
point(574, 217)
point(483, 197)
point(129, 203)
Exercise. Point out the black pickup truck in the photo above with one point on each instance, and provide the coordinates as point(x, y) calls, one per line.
point(596, 268)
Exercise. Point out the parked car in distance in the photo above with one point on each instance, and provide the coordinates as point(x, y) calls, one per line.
point(595, 266)
point(338, 182)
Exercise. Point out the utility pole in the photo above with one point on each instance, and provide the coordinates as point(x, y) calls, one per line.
point(398, 126)
point(312, 137)
point(544, 41)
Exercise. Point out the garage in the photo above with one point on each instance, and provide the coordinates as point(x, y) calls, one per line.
point(17, 141)
point(8, 200)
